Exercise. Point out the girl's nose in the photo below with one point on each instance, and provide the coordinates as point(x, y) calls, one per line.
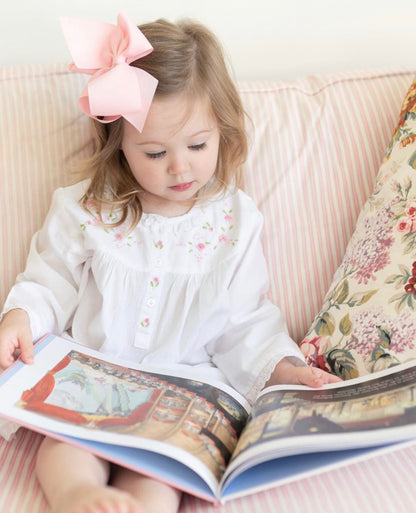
point(178, 165)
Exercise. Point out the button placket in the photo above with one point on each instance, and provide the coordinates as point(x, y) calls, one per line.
point(148, 310)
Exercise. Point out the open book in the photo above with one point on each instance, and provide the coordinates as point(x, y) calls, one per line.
point(203, 437)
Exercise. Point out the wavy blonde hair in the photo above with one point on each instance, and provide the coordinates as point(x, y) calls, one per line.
point(186, 58)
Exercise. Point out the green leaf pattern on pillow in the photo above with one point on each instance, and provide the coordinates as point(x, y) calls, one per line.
point(368, 319)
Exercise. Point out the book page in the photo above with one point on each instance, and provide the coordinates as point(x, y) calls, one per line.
point(72, 391)
point(363, 412)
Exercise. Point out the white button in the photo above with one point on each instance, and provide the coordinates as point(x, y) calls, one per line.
point(158, 262)
point(151, 302)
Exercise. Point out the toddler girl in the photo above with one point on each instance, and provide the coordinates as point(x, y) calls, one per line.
point(155, 256)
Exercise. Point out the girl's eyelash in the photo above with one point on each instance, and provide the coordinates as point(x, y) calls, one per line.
point(160, 154)
point(197, 147)
point(157, 155)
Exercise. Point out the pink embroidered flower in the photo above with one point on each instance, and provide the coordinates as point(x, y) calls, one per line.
point(118, 233)
point(155, 282)
point(145, 322)
point(91, 222)
point(200, 246)
point(159, 244)
point(223, 238)
point(313, 350)
point(228, 217)
point(207, 226)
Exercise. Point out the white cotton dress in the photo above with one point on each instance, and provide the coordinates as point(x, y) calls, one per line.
point(182, 291)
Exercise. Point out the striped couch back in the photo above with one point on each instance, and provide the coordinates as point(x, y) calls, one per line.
point(316, 146)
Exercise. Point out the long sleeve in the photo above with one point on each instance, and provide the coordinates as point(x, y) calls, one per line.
point(49, 286)
point(255, 339)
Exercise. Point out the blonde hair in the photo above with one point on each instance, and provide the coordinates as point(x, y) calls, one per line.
point(186, 58)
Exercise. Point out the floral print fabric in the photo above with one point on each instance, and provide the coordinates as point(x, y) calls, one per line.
point(368, 319)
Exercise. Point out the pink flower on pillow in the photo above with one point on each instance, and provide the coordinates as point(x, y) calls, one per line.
point(405, 225)
point(373, 329)
point(313, 351)
point(411, 209)
point(370, 252)
point(408, 224)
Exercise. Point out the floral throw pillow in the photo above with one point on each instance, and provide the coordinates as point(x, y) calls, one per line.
point(368, 319)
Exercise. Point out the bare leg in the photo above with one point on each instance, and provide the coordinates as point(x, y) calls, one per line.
point(75, 481)
point(152, 494)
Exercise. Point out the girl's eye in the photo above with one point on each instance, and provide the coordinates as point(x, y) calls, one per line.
point(197, 147)
point(157, 155)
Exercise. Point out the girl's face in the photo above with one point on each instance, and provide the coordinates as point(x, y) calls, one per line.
point(175, 155)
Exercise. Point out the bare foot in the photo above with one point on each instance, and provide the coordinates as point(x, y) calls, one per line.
point(96, 499)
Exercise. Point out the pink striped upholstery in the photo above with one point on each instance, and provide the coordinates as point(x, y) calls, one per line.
point(19, 490)
point(41, 134)
point(317, 149)
point(384, 484)
point(315, 152)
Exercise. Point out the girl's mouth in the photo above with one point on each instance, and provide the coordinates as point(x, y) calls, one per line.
point(181, 186)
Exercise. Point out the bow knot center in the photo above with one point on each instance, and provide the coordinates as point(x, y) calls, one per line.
point(119, 59)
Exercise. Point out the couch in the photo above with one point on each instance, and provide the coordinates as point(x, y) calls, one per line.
point(317, 145)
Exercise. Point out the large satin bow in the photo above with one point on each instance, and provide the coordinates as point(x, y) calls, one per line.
point(105, 51)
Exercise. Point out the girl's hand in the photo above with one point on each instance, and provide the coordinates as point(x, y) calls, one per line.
point(15, 338)
point(313, 377)
point(287, 373)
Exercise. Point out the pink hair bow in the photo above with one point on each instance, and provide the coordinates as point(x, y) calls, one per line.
point(105, 51)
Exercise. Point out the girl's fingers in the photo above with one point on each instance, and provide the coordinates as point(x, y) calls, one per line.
point(26, 350)
point(316, 377)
